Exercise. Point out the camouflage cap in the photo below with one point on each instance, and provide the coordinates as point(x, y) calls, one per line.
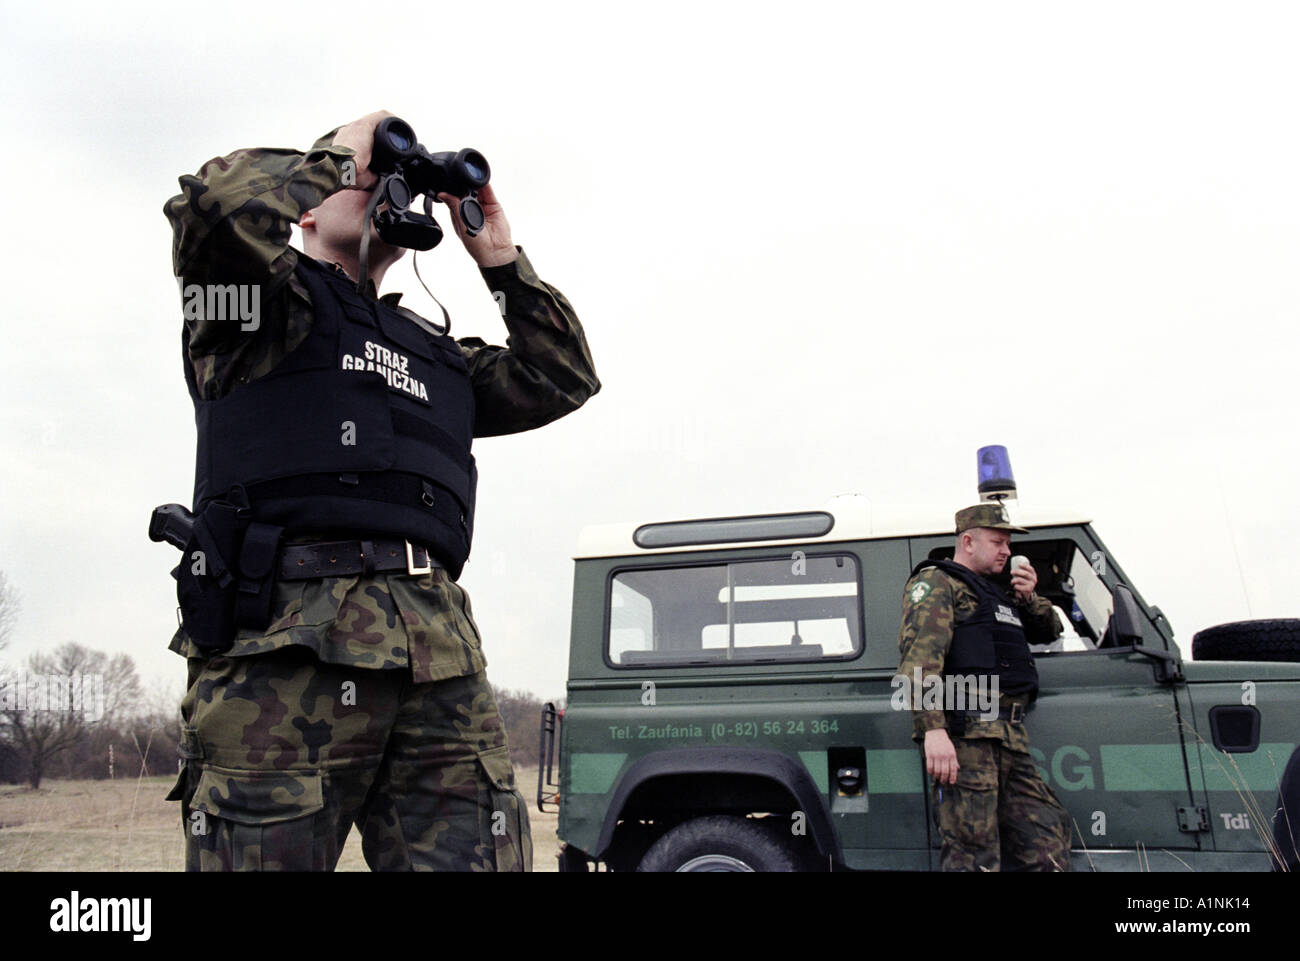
point(988, 514)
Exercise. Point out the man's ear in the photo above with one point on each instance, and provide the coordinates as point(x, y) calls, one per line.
point(307, 220)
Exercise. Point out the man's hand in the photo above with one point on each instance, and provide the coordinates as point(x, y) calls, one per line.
point(940, 757)
point(493, 246)
point(359, 135)
point(1023, 581)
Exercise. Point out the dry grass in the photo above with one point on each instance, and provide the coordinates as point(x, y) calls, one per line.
point(125, 825)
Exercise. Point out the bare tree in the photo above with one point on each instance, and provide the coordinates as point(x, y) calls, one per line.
point(154, 729)
point(9, 604)
point(79, 691)
point(521, 712)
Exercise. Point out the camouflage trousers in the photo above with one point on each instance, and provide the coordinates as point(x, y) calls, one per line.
point(1000, 815)
point(283, 754)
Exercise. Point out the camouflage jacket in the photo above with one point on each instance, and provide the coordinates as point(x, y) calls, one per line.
point(933, 604)
point(231, 225)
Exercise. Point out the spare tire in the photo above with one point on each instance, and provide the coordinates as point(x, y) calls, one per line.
point(1263, 640)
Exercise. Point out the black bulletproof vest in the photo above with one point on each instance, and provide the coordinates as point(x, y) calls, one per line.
point(364, 429)
point(992, 640)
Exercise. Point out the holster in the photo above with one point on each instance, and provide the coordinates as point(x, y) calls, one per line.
point(956, 723)
point(226, 578)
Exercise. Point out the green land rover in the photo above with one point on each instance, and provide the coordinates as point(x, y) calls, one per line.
point(732, 704)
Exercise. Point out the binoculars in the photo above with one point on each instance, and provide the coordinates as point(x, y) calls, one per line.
point(406, 170)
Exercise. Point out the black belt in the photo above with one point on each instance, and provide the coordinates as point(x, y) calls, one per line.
point(1015, 713)
point(341, 558)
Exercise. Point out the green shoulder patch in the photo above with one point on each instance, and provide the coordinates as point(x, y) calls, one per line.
point(919, 591)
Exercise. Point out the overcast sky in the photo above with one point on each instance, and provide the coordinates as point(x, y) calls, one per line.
point(816, 248)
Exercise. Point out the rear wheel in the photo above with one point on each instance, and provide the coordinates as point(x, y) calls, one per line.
point(721, 843)
point(1262, 640)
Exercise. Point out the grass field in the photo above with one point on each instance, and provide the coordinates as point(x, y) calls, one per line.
point(125, 825)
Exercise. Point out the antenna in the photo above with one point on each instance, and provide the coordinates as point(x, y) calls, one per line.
point(1232, 536)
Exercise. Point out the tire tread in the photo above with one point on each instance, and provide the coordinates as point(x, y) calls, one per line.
point(1276, 639)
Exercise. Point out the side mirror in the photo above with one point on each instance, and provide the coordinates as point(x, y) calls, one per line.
point(1125, 626)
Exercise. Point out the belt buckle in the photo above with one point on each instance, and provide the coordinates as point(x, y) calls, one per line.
point(1017, 714)
point(410, 561)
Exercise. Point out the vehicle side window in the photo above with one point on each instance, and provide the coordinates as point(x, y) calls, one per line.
point(1092, 603)
point(805, 608)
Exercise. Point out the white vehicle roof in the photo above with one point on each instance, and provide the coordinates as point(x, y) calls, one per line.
point(856, 518)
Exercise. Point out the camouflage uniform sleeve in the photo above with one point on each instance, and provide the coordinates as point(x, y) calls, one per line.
point(545, 370)
point(231, 222)
point(1041, 623)
point(924, 637)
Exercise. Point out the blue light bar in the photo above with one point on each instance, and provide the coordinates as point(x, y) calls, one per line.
point(995, 475)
